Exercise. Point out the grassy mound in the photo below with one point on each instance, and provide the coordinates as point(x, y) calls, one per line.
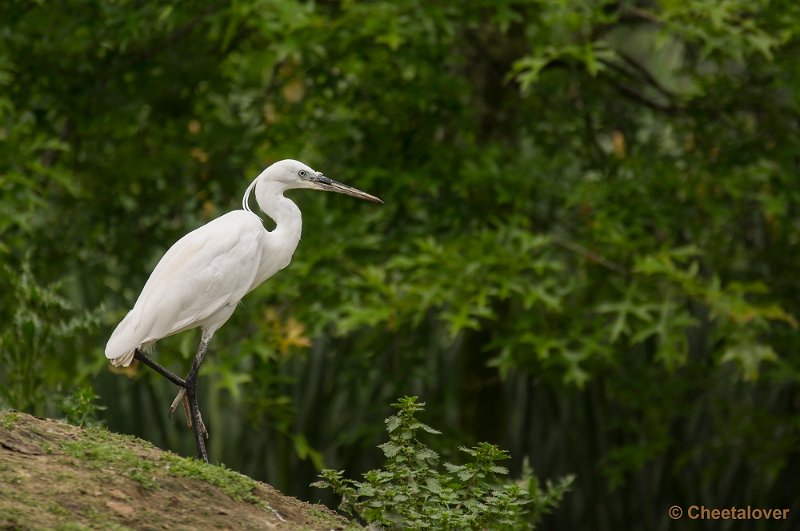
point(57, 475)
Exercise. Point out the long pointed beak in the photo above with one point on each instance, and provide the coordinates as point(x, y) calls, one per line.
point(321, 182)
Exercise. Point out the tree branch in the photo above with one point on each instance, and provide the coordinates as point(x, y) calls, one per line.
point(590, 255)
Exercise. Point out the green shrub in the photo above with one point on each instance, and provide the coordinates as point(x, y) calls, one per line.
point(40, 333)
point(79, 407)
point(414, 490)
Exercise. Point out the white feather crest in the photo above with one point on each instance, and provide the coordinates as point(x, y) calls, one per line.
point(246, 197)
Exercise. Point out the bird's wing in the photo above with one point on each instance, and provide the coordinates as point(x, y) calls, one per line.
point(206, 271)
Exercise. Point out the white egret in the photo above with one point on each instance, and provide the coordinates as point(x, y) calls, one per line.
point(202, 277)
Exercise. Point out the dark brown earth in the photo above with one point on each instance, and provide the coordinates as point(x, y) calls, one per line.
point(54, 475)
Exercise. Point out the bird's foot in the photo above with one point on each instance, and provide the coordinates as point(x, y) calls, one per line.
point(184, 401)
point(181, 398)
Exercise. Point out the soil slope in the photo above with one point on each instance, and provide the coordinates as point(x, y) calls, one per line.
point(54, 475)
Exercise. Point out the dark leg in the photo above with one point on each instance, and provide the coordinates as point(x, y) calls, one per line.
point(166, 373)
point(191, 394)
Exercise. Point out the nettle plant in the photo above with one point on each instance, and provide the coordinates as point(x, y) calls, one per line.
point(414, 490)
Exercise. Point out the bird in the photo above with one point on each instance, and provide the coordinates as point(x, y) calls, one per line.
point(202, 277)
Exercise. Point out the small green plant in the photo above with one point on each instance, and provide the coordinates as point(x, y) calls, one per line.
point(412, 490)
point(79, 407)
point(8, 420)
point(38, 329)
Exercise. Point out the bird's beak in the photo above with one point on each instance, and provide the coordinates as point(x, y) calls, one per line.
point(320, 182)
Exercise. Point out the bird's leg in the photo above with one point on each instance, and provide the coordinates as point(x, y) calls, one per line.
point(166, 373)
point(177, 380)
point(200, 432)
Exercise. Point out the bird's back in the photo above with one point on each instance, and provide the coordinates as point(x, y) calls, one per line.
point(197, 283)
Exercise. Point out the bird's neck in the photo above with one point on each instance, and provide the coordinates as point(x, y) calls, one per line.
point(283, 211)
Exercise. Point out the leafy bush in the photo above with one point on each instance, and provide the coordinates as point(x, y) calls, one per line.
point(79, 407)
point(412, 490)
point(40, 325)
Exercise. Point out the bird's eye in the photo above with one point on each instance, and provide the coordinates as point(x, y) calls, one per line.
point(302, 173)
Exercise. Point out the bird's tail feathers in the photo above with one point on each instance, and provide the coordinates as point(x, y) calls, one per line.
point(122, 344)
point(124, 360)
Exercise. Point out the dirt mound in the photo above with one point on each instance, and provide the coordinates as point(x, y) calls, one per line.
point(53, 475)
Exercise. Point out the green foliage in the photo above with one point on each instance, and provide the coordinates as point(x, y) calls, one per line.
point(39, 324)
point(413, 491)
point(80, 408)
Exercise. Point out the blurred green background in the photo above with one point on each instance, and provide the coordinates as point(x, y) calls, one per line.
point(588, 253)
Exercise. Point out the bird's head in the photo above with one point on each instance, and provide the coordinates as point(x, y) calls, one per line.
point(291, 174)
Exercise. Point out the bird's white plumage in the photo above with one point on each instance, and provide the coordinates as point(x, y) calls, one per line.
point(202, 277)
point(197, 283)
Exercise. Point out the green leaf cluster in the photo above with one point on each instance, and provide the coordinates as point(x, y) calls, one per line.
point(413, 490)
point(40, 323)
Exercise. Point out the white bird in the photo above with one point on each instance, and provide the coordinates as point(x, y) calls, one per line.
point(203, 276)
